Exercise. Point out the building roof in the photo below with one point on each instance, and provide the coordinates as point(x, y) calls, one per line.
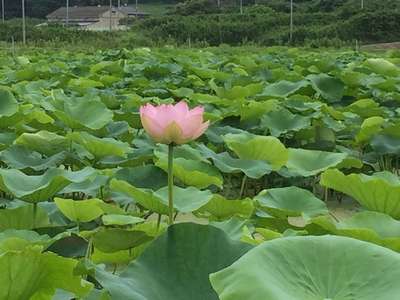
point(81, 12)
point(89, 12)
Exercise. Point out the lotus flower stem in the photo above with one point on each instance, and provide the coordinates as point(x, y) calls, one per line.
point(170, 183)
point(35, 205)
point(88, 253)
point(158, 221)
point(242, 187)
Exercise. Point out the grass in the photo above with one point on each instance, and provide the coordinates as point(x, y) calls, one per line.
point(155, 8)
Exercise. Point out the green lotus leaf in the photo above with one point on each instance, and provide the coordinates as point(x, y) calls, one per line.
point(191, 172)
point(8, 103)
point(303, 162)
point(118, 257)
point(6, 139)
point(373, 227)
point(287, 269)
point(257, 147)
point(349, 163)
point(30, 274)
point(268, 234)
point(38, 188)
point(220, 208)
point(23, 217)
point(182, 151)
point(92, 186)
point(253, 110)
point(283, 88)
point(283, 121)
point(18, 240)
point(239, 92)
point(185, 199)
point(265, 220)
point(330, 88)
point(44, 142)
point(111, 67)
point(71, 245)
point(385, 144)
point(366, 108)
point(379, 192)
point(215, 134)
point(82, 85)
point(120, 220)
point(291, 202)
point(227, 164)
point(382, 66)
point(80, 211)
point(110, 240)
point(384, 225)
point(85, 114)
point(183, 92)
point(20, 157)
point(233, 227)
point(368, 128)
point(176, 265)
point(100, 147)
point(148, 176)
point(145, 198)
point(302, 103)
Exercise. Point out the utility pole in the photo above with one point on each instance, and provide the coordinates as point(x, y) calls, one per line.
point(241, 7)
point(110, 15)
point(2, 11)
point(219, 3)
point(291, 21)
point(119, 3)
point(362, 4)
point(67, 16)
point(136, 9)
point(23, 23)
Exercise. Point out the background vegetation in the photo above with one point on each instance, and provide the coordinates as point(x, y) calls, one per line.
point(204, 23)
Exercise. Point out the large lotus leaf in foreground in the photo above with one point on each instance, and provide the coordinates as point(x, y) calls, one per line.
point(378, 192)
point(176, 266)
point(312, 268)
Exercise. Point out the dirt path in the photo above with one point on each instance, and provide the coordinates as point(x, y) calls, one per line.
point(382, 46)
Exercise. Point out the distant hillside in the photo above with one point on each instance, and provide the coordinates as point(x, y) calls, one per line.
point(191, 7)
point(41, 8)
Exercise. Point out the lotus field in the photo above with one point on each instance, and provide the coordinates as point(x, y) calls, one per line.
point(174, 174)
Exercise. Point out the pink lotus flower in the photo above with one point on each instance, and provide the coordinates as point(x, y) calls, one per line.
point(175, 124)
